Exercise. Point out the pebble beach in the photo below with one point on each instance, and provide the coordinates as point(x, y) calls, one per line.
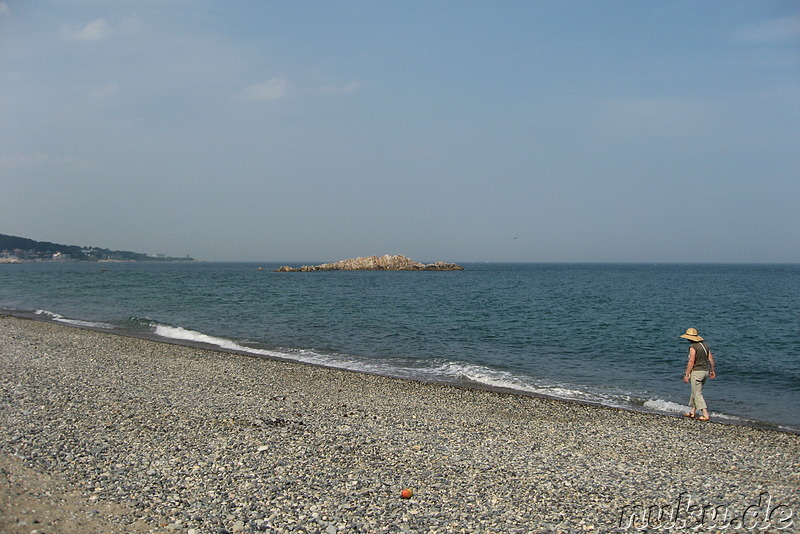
point(106, 433)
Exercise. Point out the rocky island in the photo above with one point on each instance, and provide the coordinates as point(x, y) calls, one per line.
point(396, 262)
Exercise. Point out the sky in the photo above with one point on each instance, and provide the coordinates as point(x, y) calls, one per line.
point(468, 131)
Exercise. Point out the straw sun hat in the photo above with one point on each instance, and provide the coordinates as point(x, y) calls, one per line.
point(691, 335)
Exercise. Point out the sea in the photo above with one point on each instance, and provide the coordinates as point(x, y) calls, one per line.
point(605, 334)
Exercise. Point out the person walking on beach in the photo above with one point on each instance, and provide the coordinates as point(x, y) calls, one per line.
point(699, 368)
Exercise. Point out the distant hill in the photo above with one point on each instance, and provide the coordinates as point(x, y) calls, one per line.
point(26, 249)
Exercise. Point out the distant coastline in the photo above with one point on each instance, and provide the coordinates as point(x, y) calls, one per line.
point(14, 249)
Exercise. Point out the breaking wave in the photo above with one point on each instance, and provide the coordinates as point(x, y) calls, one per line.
point(74, 322)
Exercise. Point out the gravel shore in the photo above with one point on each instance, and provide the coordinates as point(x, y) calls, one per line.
point(105, 433)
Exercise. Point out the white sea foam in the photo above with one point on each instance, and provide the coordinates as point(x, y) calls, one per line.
point(452, 372)
point(75, 322)
point(48, 314)
point(495, 378)
point(737, 419)
point(339, 361)
point(306, 356)
point(467, 372)
point(663, 406)
point(183, 334)
point(660, 405)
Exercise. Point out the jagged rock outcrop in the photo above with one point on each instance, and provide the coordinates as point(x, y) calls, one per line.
point(396, 262)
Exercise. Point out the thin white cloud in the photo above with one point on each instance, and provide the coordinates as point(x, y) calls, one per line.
point(774, 31)
point(680, 120)
point(352, 87)
point(273, 89)
point(94, 31)
point(105, 91)
point(4, 9)
point(42, 160)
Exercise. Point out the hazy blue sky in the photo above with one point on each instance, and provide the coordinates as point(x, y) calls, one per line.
point(444, 130)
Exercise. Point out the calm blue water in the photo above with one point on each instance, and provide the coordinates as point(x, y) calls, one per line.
point(599, 333)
